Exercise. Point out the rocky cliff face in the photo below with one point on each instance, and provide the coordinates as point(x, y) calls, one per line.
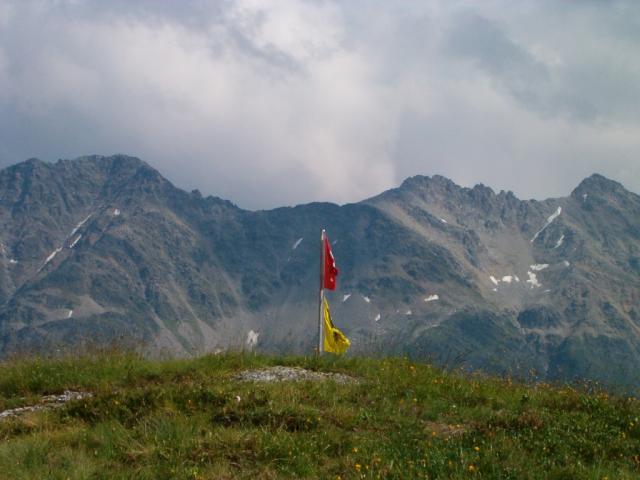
point(561, 272)
point(104, 249)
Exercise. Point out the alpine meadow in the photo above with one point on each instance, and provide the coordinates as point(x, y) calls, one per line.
point(319, 239)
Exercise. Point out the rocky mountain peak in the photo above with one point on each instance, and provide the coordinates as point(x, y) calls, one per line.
point(598, 184)
point(435, 183)
point(32, 162)
point(28, 168)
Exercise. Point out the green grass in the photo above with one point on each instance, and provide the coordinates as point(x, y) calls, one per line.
point(181, 419)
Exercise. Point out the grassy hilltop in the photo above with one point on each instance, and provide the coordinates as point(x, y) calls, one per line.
point(189, 419)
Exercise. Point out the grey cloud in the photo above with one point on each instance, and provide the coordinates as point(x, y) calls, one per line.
point(593, 78)
point(515, 69)
point(483, 40)
point(272, 102)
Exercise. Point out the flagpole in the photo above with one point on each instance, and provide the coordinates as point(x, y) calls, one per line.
point(321, 295)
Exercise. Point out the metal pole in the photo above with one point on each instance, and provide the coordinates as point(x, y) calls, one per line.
point(321, 296)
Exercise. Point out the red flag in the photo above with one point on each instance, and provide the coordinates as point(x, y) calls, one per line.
point(330, 269)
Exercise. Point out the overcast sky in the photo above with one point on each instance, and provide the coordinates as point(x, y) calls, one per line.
point(278, 102)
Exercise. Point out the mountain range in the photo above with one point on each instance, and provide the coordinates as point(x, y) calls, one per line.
point(105, 250)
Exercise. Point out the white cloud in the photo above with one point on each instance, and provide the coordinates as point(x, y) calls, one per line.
point(303, 31)
point(276, 102)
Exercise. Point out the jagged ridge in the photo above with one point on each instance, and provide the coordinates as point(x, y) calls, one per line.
point(104, 249)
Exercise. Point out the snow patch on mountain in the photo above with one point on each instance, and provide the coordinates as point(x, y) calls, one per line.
point(533, 280)
point(50, 257)
point(252, 338)
point(539, 266)
point(432, 298)
point(505, 279)
point(79, 225)
point(560, 240)
point(73, 244)
point(550, 220)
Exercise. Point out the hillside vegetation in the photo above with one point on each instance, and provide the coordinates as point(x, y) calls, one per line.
point(191, 419)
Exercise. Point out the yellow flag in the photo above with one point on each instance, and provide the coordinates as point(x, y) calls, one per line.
point(334, 339)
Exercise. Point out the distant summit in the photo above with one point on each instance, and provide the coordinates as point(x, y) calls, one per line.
point(104, 250)
point(598, 184)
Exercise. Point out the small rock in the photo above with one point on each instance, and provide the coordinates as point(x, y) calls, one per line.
point(48, 402)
